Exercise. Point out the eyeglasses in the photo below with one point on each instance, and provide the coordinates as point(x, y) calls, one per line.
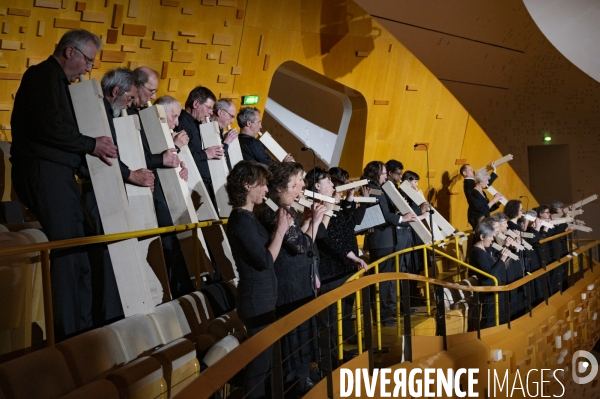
point(227, 113)
point(207, 107)
point(129, 98)
point(89, 61)
point(152, 91)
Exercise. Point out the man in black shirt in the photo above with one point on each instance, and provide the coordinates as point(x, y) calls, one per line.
point(199, 107)
point(119, 91)
point(46, 153)
point(248, 120)
point(146, 81)
point(224, 114)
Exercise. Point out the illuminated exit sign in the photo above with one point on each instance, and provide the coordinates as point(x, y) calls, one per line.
point(250, 100)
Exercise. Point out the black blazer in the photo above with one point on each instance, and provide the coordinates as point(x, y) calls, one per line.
point(384, 236)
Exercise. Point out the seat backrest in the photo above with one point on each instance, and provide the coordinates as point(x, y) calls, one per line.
point(40, 374)
point(197, 311)
point(220, 297)
point(166, 323)
point(220, 349)
point(183, 323)
point(136, 335)
point(92, 355)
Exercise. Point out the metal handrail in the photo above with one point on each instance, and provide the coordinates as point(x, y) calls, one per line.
point(45, 248)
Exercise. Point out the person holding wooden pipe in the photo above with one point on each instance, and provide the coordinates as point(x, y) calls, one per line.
point(255, 251)
point(248, 120)
point(468, 174)
point(146, 81)
point(296, 270)
point(224, 114)
point(46, 152)
point(199, 107)
point(383, 239)
point(479, 205)
point(481, 259)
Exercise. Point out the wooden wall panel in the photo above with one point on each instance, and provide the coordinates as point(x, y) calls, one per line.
point(284, 31)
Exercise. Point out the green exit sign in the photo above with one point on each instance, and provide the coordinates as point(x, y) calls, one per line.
point(250, 100)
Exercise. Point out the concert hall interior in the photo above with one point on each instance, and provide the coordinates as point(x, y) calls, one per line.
point(170, 225)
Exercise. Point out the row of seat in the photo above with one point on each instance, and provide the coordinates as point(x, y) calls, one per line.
point(143, 356)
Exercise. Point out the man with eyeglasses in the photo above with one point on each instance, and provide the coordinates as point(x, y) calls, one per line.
point(248, 120)
point(146, 81)
point(199, 107)
point(46, 154)
point(224, 114)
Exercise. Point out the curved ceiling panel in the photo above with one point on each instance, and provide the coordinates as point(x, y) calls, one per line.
point(572, 27)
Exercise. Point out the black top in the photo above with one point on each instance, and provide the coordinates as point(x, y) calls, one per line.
point(191, 127)
point(384, 236)
point(469, 184)
point(478, 207)
point(225, 149)
point(254, 150)
point(337, 243)
point(293, 266)
point(257, 289)
point(43, 121)
point(482, 260)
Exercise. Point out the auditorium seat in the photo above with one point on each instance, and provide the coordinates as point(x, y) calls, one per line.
point(466, 304)
point(138, 337)
point(96, 354)
point(202, 321)
point(169, 330)
point(44, 375)
point(220, 349)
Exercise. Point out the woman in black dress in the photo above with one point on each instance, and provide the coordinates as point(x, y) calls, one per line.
point(481, 259)
point(255, 250)
point(296, 280)
point(338, 248)
point(479, 205)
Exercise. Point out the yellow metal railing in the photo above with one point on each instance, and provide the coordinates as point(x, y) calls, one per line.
point(45, 248)
point(396, 255)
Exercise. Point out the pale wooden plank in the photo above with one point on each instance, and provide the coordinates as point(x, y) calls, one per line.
point(404, 208)
point(177, 195)
point(418, 199)
point(132, 154)
point(218, 167)
point(273, 146)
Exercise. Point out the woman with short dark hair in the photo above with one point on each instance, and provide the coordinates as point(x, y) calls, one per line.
point(255, 250)
point(297, 279)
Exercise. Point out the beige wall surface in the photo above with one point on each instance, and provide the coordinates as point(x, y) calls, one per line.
point(235, 46)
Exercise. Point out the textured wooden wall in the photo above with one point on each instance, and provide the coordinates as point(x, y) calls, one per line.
point(234, 47)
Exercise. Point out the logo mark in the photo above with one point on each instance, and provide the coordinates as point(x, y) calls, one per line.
point(580, 366)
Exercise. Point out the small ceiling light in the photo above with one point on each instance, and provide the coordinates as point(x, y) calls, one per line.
point(547, 139)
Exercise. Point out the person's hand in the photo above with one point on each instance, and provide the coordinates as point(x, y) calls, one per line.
point(365, 191)
point(361, 264)
point(170, 158)
point(141, 177)
point(317, 282)
point(183, 173)
point(105, 149)
point(215, 152)
point(230, 136)
point(318, 214)
point(410, 217)
point(497, 197)
point(504, 254)
point(284, 221)
point(425, 207)
point(288, 158)
point(350, 195)
point(508, 242)
point(493, 166)
point(580, 222)
point(537, 224)
point(181, 139)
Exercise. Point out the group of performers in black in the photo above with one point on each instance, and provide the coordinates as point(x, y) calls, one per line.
point(285, 258)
